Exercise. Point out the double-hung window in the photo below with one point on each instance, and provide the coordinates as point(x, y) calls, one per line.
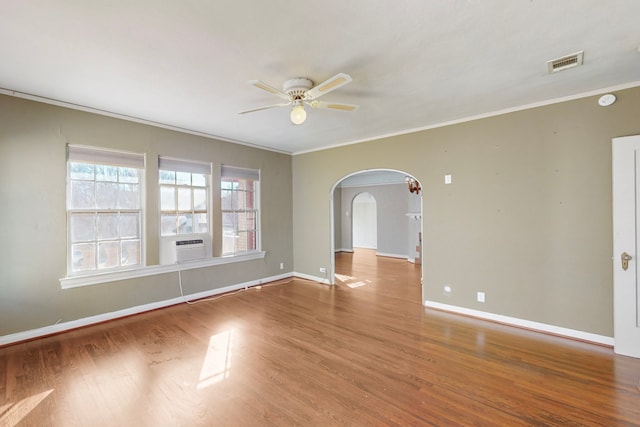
point(240, 210)
point(184, 202)
point(104, 210)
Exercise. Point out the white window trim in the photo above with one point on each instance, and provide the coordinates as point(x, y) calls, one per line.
point(108, 156)
point(228, 171)
point(175, 164)
point(96, 279)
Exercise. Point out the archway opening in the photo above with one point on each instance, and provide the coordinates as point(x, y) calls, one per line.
point(364, 229)
point(398, 227)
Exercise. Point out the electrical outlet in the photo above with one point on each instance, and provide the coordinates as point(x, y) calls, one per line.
point(480, 296)
point(282, 266)
point(447, 289)
point(323, 270)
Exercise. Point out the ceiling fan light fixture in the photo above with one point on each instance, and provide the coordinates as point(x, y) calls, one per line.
point(298, 115)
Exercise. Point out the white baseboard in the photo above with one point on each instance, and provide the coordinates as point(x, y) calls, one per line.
point(324, 280)
point(391, 255)
point(513, 321)
point(344, 250)
point(86, 321)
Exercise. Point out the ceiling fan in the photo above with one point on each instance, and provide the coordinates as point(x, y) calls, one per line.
point(299, 91)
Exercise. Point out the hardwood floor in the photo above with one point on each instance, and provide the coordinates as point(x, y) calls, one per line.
point(362, 353)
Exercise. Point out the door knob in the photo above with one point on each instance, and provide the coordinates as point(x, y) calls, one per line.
point(625, 258)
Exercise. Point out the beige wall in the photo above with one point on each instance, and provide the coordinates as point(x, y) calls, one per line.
point(527, 218)
point(33, 137)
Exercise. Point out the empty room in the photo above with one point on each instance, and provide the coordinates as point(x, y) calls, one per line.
point(328, 213)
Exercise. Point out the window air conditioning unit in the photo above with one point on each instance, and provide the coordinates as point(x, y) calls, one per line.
point(187, 250)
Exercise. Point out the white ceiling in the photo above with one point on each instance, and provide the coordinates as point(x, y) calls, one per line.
point(414, 63)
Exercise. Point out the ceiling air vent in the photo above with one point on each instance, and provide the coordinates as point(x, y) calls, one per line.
point(566, 62)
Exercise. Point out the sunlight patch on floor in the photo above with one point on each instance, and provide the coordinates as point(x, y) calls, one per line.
point(13, 413)
point(352, 282)
point(217, 362)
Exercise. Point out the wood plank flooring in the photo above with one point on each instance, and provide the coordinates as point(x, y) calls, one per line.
point(362, 353)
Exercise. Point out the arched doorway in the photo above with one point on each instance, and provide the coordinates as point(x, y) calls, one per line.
point(364, 220)
point(400, 237)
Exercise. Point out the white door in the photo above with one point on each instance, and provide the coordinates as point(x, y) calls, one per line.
point(626, 224)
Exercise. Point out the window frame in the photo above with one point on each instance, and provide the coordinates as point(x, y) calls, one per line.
point(175, 165)
point(98, 156)
point(231, 174)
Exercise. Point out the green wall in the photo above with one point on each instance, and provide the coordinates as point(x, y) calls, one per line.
point(527, 218)
point(33, 138)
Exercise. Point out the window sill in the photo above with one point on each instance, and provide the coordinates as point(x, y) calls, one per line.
point(95, 279)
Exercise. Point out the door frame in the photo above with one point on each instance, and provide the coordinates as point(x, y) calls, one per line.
point(625, 185)
point(331, 279)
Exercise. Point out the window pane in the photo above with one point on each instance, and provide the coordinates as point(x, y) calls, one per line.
point(241, 200)
point(227, 185)
point(241, 242)
point(199, 199)
point(130, 254)
point(184, 202)
point(229, 221)
point(185, 224)
point(227, 200)
point(129, 175)
point(128, 196)
point(106, 195)
point(183, 178)
point(104, 208)
point(108, 255)
point(228, 243)
point(251, 241)
point(184, 199)
point(81, 171)
point(82, 195)
point(167, 198)
point(106, 173)
point(129, 225)
point(247, 221)
point(167, 177)
point(168, 225)
point(107, 226)
point(245, 184)
point(83, 257)
point(200, 223)
point(250, 198)
point(199, 180)
point(83, 227)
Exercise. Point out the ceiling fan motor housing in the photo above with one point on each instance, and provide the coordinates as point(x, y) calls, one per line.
point(297, 87)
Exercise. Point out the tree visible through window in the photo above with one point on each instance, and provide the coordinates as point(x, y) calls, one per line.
point(104, 193)
point(240, 210)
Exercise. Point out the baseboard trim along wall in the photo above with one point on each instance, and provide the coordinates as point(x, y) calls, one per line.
point(526, 324)
point(87, 321)
point(344, 250)
point(99, 318)
point(323, 280)
point(391, 255)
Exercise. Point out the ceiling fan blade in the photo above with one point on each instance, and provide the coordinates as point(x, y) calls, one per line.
point(284, 104)
point(327, 86)
point(333, 105)
point(270, 89)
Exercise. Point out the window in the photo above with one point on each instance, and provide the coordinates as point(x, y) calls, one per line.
point(184, 205)
point(240, 210)
point(104, 210)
